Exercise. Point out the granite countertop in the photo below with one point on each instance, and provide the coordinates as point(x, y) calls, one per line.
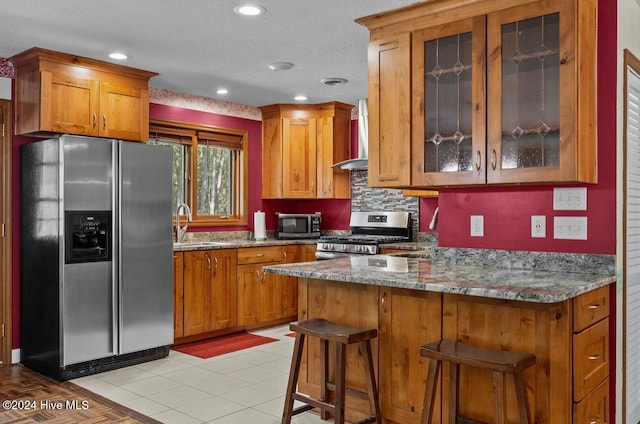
point(234, 244)
point(421, 248)
point(532, 285)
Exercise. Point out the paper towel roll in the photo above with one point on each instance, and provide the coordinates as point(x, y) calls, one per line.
point(258, 226)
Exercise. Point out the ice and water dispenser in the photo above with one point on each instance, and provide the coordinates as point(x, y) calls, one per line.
point(87, 236)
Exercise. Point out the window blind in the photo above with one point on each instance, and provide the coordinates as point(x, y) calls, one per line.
point(632, 271)
point(219, 139)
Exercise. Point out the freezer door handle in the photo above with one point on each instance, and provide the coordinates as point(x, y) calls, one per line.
point(117, 238)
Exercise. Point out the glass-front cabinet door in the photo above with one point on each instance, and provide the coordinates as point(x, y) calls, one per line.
point(533, 98)
point(449, 89)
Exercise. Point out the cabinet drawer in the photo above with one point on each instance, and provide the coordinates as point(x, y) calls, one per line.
point(257, 255)
point(594, 408)
point(590, 358)
point(590, 308)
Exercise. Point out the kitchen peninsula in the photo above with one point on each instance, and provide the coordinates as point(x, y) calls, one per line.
point(515, 303)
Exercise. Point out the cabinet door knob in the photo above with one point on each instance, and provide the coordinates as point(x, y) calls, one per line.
point(478, 160)
point(206, 255)
point(104, 122)
point(215, 262)
point(95, 121)
point(596, 306)
point(259, 255)
point(594, 357)
point(493, 159)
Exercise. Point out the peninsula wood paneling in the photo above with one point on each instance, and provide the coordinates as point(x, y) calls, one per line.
point(542, 329)
point(350, 304)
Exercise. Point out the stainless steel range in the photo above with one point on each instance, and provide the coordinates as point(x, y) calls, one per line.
point(368, 231)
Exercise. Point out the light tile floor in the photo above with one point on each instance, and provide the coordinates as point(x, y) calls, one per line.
point(244, 387)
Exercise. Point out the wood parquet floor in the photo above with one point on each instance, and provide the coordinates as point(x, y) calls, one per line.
point(28, 397)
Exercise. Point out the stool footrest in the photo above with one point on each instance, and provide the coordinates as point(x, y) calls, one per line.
point(313, 403)
point(349, 390)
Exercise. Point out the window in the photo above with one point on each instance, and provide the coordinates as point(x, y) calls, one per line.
point(209, 170)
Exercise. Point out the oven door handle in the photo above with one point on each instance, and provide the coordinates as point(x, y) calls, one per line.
point(320, 255)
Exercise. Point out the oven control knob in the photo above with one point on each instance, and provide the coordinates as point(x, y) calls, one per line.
point(345, 247)
point(325, 246)
point(358, 248)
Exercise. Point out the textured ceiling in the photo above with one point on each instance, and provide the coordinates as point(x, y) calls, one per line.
point(198, 46)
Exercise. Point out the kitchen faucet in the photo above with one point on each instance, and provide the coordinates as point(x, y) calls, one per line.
point(180, 231)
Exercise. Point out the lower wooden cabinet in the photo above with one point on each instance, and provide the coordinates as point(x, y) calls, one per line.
point(594, 408)
point(257, 300)
point(219, 291)
point(265, 297)
point(178, 295)
point(209, 291)
point(287, 287)
point(306, 253)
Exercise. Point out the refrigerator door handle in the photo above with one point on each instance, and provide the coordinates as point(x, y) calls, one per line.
point(116, 238)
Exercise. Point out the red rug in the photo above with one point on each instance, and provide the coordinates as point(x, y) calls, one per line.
point(221, 345)
point(291, 334)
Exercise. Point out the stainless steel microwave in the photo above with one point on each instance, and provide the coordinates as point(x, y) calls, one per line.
point(298, 225)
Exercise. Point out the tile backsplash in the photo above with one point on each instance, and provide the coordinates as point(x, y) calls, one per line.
point(364, 198)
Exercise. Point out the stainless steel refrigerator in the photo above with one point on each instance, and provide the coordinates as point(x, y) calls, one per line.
point(96, 255)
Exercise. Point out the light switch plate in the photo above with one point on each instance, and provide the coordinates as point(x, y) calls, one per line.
point(570, 199)
point(570, 227)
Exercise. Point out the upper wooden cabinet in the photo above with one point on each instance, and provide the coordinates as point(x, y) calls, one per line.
point(499, 91)
point(390, 111)
point(61, 93)
point(299, 145)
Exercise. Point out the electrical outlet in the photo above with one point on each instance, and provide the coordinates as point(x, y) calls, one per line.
point(538, 226)
point(570, 199)
point(570, 227)
point(477, 226)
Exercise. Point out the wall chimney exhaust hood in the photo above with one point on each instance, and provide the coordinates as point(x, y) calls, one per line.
point(363, 140)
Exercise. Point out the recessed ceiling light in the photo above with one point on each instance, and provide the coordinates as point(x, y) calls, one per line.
point(280, 66)
point(222, 91)
point(300, 98)
point(249, 9)
point(118, 56)
point(333, 81)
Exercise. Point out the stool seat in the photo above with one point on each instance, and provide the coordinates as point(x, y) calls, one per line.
point(334, 332)
point(342, 335)
point(497, 361)
point(479, 357)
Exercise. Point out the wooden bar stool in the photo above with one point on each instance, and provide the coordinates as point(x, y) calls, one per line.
point(498, 361)
point(342, 335)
